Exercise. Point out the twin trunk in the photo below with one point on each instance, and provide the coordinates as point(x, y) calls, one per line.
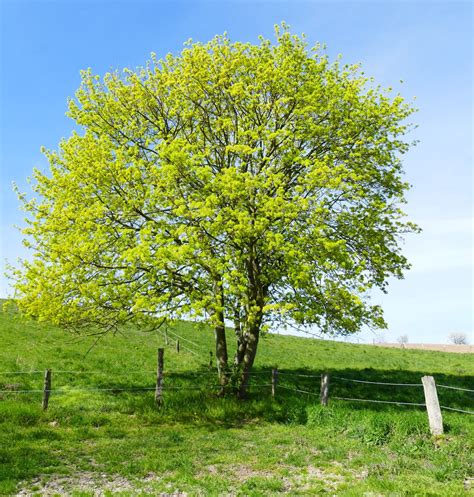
point(247, 342)
point(247, 336)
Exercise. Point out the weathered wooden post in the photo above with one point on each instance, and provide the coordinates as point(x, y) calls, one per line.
point(159, 379)
point(177, 346)
point(46, 388)
point(324, 389)
point(432, 405)
point(274, 381)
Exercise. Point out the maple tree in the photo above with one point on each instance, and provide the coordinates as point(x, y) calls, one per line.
point(259, 184)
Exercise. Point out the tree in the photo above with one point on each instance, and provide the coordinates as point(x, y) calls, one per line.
point(402, 340)
point(252, 183)
point(458, 338)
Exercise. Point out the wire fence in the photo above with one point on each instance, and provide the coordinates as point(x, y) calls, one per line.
point(377, 401)
point(298, 390)
point(166, 374)
point(167, 332)
point(14, 389)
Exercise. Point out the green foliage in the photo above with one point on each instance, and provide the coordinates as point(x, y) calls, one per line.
point(262, 178)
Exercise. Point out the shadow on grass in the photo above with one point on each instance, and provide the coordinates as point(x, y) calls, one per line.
point(192, 398)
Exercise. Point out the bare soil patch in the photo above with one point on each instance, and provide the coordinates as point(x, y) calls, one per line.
point(459, 349)
point(96, 484)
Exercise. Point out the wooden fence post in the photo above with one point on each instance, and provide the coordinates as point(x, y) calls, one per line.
point(46, 388)
point(324, 389)
point(159, 379)
point(274, 381)
point(177, 346)
point(432, 405)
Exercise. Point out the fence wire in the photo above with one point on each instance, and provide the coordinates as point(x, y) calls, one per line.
point(379, 382)
point(298, 390)
point(21, 372)
point(457, 410)
point(119, 389)
point(299, 375)
point(127, 373)
point(182, 338)
point(455, 388)
point(380, 401)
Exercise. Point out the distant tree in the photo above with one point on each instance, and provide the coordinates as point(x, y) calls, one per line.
point(402, 339)
point(458, 338)
point(254, 183)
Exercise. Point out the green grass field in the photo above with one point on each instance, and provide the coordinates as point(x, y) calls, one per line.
point(116, 441)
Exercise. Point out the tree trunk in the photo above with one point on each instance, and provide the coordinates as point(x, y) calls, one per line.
point(251, 342)
point(240, 352)
point(221, 353)
point(252, 321)
point(221, 342)
point(241, 344)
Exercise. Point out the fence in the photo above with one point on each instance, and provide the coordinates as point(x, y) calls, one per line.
point(428, 384)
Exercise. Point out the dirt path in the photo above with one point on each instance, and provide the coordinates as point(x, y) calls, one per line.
point(460, 349)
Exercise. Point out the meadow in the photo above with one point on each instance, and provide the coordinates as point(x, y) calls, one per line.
point(116, 442)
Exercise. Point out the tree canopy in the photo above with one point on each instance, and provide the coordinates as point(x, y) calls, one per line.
point(259, 184)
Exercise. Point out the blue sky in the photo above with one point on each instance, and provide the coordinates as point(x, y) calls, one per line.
point(428, 45)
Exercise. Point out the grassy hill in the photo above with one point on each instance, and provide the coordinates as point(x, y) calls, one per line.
point(198, 444)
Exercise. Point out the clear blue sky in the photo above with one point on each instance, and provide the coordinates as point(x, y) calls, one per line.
point(428, 45)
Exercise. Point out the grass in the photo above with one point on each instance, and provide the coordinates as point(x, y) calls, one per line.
point(200, 444)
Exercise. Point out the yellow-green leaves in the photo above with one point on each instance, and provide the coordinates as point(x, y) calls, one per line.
point(262, 170)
